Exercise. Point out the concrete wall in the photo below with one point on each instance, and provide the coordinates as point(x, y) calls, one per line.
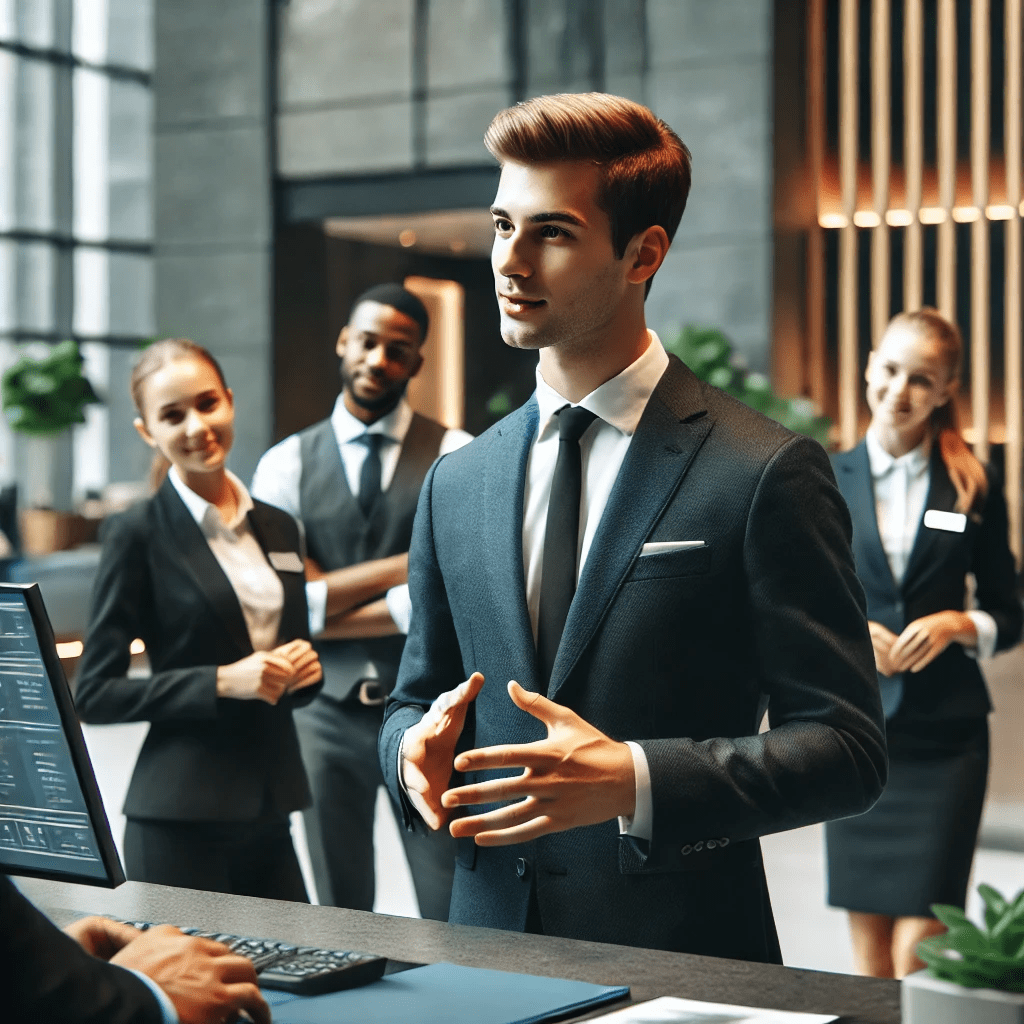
point(213, 198)
point(378, 86)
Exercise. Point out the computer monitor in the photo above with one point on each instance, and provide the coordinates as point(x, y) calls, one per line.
point(52, 821)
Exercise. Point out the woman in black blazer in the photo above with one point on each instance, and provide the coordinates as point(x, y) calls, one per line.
point(925, 515)
point(213, 583)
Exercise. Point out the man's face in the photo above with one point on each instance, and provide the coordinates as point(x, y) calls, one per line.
point(555, 272)
point(380, 353)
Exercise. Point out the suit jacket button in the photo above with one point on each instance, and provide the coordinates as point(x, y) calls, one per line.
point(686, 850)
point(711, 844)
point(521, 867)
point(724, 841)
point(697, 847)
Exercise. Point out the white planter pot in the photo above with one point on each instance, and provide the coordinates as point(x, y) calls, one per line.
point(927, 1000)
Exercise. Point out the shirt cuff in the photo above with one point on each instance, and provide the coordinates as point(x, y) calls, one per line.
point(170, 1015)
point(316, 605)
point(400, 606)
point(988, 633)
point(641, 824)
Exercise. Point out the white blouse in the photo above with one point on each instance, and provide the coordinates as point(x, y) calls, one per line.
point(901, 491)
point(258, 588)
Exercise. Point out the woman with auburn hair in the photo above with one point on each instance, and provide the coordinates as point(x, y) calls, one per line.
point(925, 515)
point(214, 584)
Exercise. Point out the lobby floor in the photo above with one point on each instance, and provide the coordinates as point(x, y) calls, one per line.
point(812, 934)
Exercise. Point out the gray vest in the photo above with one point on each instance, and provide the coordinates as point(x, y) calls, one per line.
point(338, 534)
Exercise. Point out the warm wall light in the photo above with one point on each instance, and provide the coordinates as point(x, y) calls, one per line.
point(407, 238)
point(832, 220)
point(931, 215)
point(899, 218)
point(1000, 212)
point(71, 649)
point(457, 245)
point(866, 219)
point(137, 647)
point(966, 214)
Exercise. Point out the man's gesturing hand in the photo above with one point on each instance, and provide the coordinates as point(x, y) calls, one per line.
point(206, 982)
point(577, 776)
point(428, 749)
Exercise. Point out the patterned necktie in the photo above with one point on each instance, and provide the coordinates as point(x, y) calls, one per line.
point(369, 475)
point(561, 537)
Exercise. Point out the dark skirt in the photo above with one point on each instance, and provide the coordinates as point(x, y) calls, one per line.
point(915, 846)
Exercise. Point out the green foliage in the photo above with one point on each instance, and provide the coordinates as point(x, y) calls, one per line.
point(42, 397)
point(992, 957)
point(708, 352)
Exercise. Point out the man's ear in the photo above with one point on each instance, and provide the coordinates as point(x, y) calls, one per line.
point(140, 426)
point(867, 369)
point(646, 253)
point(418, 364)
point(339, 347)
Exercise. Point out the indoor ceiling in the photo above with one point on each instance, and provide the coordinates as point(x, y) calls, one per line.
point(463, 233)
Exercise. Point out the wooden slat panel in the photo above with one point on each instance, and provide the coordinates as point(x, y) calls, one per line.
point(849, 375)
point(881, 149)
point(980, 78)
point(946, 115)
point(913, 149)
point(817, 364)
point(1014, 114)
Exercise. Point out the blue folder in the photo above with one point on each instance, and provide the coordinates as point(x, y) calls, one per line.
point(447, 994)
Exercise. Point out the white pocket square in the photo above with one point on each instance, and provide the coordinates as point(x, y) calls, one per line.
point(285, 561)
point(660, 547)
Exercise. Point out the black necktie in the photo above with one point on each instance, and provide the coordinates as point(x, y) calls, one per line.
point(561, 538)
point(369, 475)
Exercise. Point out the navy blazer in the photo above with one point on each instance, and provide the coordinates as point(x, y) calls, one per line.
point(48, 978)
point(205, 758)
point(951, 687)
point(680, 651)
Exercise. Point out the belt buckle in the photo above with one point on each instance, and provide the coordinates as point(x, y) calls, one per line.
point(371, 694)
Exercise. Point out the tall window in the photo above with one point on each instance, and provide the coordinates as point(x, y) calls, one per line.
point(75, 211)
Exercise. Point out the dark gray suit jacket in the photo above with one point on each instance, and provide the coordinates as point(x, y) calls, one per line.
point(681, 652)
point(206, 758)
point(951, 688)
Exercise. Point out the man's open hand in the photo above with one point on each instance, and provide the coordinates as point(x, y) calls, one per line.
point(577, 776)
point(428, 749)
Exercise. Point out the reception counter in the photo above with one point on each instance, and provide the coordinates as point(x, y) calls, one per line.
point(649, 973)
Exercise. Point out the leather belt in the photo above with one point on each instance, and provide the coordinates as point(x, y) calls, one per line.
point(370, 693)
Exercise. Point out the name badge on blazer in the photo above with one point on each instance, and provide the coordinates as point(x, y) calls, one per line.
point(951, 522)
point(285, 561)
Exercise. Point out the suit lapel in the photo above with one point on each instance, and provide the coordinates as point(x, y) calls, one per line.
point(942, 496)
point(859, 491)
point(191, 549)
point(270, 539)
point(503, 492)
point(671, 431)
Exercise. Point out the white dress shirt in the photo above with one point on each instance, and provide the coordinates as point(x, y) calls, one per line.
point(258, 588)
point(618, 404)
point(278, 478)
point(901, 492)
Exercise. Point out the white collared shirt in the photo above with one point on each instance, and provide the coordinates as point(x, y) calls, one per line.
point(901, 492)
point(278, 478)
point(618, 403)
point(258, 588)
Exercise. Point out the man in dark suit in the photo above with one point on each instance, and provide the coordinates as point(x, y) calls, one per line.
point(653, 563)
point(105, 972)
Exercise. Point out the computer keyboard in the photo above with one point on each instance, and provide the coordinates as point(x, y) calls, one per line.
point(302, 970)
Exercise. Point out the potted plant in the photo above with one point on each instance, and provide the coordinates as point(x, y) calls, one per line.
point(973, 974)
point(709, 353)
point(42, 399)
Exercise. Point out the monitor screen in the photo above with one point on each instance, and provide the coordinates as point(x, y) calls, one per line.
point(52, 821)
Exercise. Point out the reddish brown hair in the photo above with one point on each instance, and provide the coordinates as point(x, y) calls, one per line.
point(645, 168)
point(965, 471)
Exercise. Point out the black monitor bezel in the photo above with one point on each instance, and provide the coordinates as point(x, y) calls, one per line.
point(72, 730)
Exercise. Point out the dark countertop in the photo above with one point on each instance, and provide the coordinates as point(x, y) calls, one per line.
point(649, 973)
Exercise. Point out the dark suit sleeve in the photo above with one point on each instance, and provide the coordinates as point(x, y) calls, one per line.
point(122, 609)
point(431, 660)
point(47, 978)
point(994, 569)
point(824, 754)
